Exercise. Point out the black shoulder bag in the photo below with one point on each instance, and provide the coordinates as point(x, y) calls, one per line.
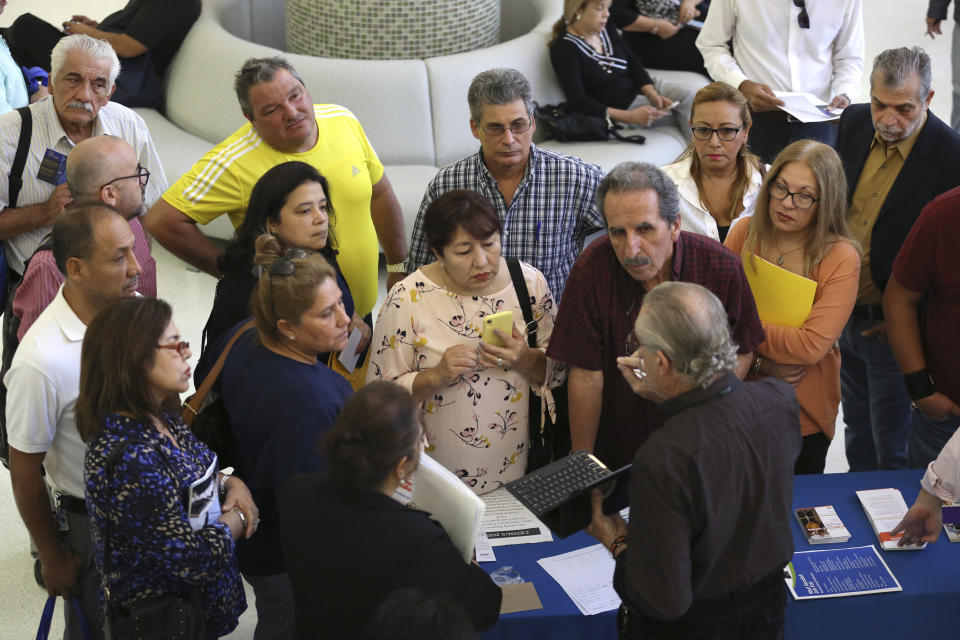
point(167, 617)
point(540, 452)
point(565, 125)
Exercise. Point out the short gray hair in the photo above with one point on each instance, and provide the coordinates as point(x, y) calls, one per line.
point(82, 43)
point(256, 71)
point(640, 176)
point(689, 324)
point(499, 86)
point(894, 66)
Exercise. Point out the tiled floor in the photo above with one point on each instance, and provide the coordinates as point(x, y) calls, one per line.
point(889, 23)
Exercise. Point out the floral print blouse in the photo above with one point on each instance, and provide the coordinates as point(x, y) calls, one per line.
point(154, 550)
point(478, 426)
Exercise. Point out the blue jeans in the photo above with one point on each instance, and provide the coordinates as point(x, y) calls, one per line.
point(876, 407)
point(927, 437)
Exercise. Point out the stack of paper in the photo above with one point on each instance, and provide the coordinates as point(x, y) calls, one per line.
point(506, 521)
point(838, 572)
point(806, 107)
point(885, 509)
point(586, 575)
point(821, 525)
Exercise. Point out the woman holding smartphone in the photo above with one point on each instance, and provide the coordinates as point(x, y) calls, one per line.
point(473, 394)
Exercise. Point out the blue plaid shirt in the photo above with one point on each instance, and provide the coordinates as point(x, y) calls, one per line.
point(552, 212)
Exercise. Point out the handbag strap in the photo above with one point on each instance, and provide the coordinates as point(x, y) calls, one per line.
point(191, 408)
point(520, 286)
point(20, 158)
point(46, 618)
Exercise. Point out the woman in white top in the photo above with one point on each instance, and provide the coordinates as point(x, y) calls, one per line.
point(717, 176)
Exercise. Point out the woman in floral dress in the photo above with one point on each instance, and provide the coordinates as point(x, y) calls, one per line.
point(474, 396)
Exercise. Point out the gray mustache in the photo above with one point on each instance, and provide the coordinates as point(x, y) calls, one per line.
point(76, 104)
point(636, 262)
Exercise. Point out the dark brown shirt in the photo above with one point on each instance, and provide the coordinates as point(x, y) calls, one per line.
point(710, 496)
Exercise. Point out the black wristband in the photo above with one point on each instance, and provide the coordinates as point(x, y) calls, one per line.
point(919, 384)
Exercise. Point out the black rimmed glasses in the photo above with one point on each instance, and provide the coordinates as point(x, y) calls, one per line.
point(802, 201)
point(182, 348)
point(143, 175)
point(285, 267)
point(803, 19)
point(497, 130)
point(726, 134)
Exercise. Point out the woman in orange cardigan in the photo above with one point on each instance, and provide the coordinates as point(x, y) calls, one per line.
point(800, 224)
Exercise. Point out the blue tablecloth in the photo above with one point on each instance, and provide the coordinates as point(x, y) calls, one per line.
point(928, 604)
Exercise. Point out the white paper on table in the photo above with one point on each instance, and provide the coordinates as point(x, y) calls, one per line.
point(806, 107)
point(885, 509)
point(586, 575)
point(349, 356)
point(507, 521)
point(482, 549)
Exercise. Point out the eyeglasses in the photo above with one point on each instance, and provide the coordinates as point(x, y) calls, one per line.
point(143, 175)
point(496, 130)
point(182, 348)
point(285, 267)
point(726, 134)
point(803, 19)
point(802, 201)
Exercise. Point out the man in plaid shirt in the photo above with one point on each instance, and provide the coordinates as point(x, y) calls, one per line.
point(545, 199)
point(643, 247)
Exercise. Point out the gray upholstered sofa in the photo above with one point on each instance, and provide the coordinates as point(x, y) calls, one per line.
point(414, 111)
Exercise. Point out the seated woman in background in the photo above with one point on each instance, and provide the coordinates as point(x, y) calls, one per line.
point(349, 544)
point(474, 396)
point(290, 202)
point(146, 541)
point(800, 225)
point(601, 76)
point(280, 398)
point(658, 32)
point(717, 177)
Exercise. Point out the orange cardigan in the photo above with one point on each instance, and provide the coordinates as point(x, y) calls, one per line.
point(815, 343)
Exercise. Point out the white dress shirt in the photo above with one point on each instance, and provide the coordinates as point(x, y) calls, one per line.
point(771, 48)
point(693, 216)
point(114, 119)
point(942, 478)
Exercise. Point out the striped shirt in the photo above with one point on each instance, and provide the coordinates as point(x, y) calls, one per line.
point(551, 214)
point(48, 133)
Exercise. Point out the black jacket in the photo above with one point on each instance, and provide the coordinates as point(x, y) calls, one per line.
point(932, 167)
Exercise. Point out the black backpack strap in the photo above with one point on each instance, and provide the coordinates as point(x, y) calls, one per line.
point(20, 157)
point(520, 286)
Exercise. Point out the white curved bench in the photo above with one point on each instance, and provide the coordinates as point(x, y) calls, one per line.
point(414, 111)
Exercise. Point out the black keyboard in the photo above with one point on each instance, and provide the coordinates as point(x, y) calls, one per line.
point(552, 485)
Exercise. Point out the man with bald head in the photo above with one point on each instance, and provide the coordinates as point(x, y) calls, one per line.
point(93, 247)
point(101, 169)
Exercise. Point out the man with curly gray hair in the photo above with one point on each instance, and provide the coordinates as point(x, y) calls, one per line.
point(717, 479)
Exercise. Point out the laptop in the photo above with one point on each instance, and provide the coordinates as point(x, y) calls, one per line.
point(559, 493)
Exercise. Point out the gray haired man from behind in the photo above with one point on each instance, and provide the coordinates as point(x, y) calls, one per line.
point(717, 479)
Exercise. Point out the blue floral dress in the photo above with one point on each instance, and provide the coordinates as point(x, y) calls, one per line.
point(153, 548)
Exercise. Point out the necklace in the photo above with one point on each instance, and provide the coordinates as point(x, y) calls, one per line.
point(782, 252)
point(443, 280)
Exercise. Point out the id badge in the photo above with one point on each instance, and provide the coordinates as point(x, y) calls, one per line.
point(53, 168)
point(59, 514)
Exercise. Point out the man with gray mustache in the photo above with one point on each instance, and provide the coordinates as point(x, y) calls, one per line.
point(82, 80)
point(898, 156)
point(644, 246)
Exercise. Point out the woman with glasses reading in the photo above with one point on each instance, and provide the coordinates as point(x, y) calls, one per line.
point(800, 225)
point(601, 76)
point(155, 532)
point(290, 202)
point(717, 177)
point(281, 398)
point(474, 396)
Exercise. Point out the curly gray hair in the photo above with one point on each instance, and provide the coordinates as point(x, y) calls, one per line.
point(496, 87)
point(82, 43)
point(689, 324)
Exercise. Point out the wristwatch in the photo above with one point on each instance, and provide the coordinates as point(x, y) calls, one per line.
point(398, 267)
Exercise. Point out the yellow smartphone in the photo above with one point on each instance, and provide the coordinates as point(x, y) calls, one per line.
point(502, 321)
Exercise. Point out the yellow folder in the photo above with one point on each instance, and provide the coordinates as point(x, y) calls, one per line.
point(782, 296)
